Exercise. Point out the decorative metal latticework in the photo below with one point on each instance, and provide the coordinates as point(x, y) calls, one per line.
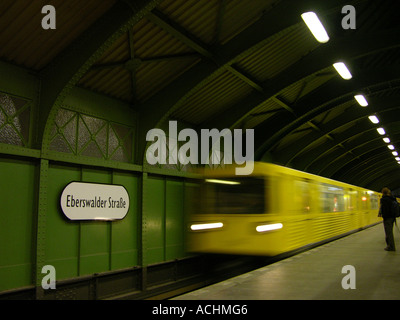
point(15, 116)
point(84, 135)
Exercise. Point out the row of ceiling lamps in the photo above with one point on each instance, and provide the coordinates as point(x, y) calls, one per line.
point(317, 29)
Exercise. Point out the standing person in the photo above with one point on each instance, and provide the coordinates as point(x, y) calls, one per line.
point(386, 213)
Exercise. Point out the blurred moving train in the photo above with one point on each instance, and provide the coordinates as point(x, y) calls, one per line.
point(273, 210)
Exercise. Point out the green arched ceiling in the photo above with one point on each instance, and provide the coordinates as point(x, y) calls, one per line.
point(227, 64)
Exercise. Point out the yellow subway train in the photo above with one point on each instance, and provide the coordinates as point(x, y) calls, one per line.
point(273, 210)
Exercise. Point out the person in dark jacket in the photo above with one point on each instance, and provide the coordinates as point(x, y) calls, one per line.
point(385, 211)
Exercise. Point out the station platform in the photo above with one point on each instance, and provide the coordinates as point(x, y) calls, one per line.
point(317, 273)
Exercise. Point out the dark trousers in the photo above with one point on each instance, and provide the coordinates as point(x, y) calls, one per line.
point(388, 225)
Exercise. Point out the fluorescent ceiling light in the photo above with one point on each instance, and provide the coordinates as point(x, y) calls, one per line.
point(222, 181)
point(381, 131)
point(315, 26)
point(206, 226)
point(373, 119)
point(361, 100)
point(391, 147)
point(397, 158)
point(395, 153)
point(342, 70)
point(387, 140)
point(269, 227)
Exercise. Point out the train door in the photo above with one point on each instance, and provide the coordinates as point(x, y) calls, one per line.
point(374, 208)
point(298, 224)
point(365, 208)
point(352, 208)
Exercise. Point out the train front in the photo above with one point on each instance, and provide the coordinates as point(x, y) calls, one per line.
point(233, 214)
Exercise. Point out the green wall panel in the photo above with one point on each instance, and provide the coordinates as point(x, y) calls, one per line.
point(95, 236)
point(163, 219)
point(174, 222)
point(153, 219)
point(125, 232)
point(79, 248)
point(62, 235)
point(17, 222)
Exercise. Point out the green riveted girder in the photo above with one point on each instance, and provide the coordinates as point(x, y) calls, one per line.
point(41, 225)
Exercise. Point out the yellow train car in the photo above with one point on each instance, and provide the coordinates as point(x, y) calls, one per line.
point(273, 210)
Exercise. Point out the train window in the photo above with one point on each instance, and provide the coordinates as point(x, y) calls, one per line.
point(302, 196)
point(374, 202)
point(364, 201)
point(332, 198)
point(242, 195)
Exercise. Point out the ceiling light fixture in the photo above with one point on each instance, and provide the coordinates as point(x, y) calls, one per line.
point(387, 140)
point(381, 131)
point(391, 147)
point(361, 100)
point(373, 119)
point(342, 70)
point(395, 153)
point(315, 26)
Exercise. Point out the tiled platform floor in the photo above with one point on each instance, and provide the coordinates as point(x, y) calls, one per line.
point(317, 273)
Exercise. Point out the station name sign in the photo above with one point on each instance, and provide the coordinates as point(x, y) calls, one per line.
point(94, 201)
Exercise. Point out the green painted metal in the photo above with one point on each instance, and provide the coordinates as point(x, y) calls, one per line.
point(62, 237)
point(17, 222)
point(64, 72)
point(32, 226)
point(125, 234)
point(152, 232)
point(41, 225)
point(154, 219)
point(18, 81)
point(163, 219)
point(91, 246)
point(174, 219)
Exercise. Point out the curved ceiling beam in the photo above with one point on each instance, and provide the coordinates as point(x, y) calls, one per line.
point(377, 105)
point(66, 69)
point(390, 180)
point(358, 168)
point(383, 177)
point(357, 138)
point(335, 158)
point(374, 171)
point(352, 114)
point(366, 159)
point(286, 14)
point(380, 167)
point(347, 48)
point(359, 177)
point(328, 148)
point(358, 154)
point(341, 150)
point(335, 92)
point(331, 167)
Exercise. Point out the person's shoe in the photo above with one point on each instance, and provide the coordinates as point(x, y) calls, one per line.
point(389, 249)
